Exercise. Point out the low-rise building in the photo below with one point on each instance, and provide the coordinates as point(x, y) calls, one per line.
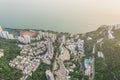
point(1, 52)
point(100, 54)
point(49, 75)
point(87, 64)
point(89, 38)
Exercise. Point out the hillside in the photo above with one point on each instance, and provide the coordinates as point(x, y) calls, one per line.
point(107, 68)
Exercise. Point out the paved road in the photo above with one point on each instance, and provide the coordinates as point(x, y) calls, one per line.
point(93, 64)
point(82, 68)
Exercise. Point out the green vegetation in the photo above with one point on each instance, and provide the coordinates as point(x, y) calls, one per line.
point(86, 78)
point(108, 68)
point(10, 52)
point(77, 74)
point(39, 74)
point(88, 46)
point(112, 58)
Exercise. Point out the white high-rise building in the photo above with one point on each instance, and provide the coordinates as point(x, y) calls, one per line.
point(25, 39)
point(1, 34)
point(8, 35)
point(11, 36)
point(5, 34)
point(80, 44)
point(1, 28)
point(63, 39)
point(21, 39)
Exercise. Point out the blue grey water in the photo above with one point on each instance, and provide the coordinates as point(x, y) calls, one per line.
point(59, 15)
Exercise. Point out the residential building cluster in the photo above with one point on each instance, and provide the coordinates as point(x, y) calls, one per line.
point(117, 26)
point(27, 36)
point(67, 48)
point(31, 55)
point(42, 50)
point(46, 35)
point(50, 52)
point(76, 47)
point(37, 46)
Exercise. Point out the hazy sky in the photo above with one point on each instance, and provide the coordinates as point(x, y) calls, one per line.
point(59, 15)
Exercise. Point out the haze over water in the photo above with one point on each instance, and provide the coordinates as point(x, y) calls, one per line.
point(59, 15)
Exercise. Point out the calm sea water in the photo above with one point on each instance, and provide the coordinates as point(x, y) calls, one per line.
point(59, 15)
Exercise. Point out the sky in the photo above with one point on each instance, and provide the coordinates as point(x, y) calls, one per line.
point(59, 15)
